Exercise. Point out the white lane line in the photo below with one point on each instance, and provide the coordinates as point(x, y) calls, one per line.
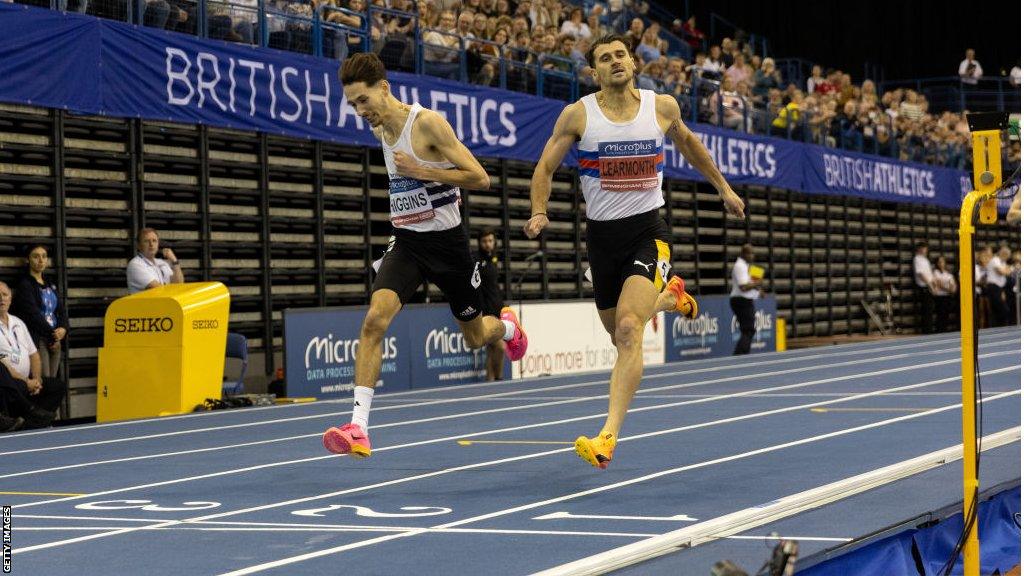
point(780, 508)
point(352, 546)
point(484, 464)
point(506, 409)
point(685, 368)
point(580, 399)
point(323, 529)
point(363, 529)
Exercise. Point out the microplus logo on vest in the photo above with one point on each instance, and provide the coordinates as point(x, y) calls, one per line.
point(627, 148)
point(142, 325)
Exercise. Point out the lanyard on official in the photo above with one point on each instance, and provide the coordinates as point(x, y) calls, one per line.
point(15, 346)
point(159, 275)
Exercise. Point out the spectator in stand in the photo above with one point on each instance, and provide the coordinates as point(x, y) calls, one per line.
point(765, 79)
point(444, 5)
point(740, 71)
point(575, 24)
point(429, 15)
point(886, 144)
point(821, 127)
point(464, 28)
point(675, 76)
point(480, 26)
point(713, 66)
point(441, 48)
point(677, 27)
point(945, 295)
point(547, 13)
point(490, 8)
point(564, 53)
point(616, 16)
point(346, 44)
point(815, 79)
point(970, 69)
point(731, 105)
point(830, 85)
point(597, 28)
point(401, 26)
point(650, 77)
point(729, 52)
point(648, 50)
point(696, 70)
point(787, 121)
point(693, 35)
point(910, 108)
point(635, 34)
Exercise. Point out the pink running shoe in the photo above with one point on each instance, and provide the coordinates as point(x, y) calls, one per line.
point(516, 347)
point(349, 439)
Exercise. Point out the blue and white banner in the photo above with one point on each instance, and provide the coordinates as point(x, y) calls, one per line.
point(715, 331)
point(320, 352)
point(94, 66)
point(423, 347)
point(830, 171)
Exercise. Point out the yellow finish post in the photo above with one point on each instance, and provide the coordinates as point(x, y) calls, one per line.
point(780, 334)
point(987, 179)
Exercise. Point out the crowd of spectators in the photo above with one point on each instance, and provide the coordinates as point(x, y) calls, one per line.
point(721, 81)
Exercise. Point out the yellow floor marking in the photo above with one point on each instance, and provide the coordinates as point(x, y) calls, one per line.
point(870, 409)
point(468, 442)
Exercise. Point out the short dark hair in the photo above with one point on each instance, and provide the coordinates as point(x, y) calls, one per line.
point(364, 67)
point(608, 39)
point(920, 245)
point(486, 232)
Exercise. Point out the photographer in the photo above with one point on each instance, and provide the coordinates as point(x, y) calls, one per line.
point(146, 271)
point(970, 69)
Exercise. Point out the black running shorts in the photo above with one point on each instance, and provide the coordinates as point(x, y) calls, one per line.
point(441, 257)
point(638, 245)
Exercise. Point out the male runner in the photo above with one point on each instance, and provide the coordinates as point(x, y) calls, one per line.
point(620, 131)
point(427, 166)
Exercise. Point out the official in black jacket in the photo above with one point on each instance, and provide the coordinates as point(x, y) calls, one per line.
point(41, 306)
point(490, 292)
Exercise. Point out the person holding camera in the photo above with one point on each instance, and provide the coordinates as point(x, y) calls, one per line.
point(146, 271)
point(970, 69)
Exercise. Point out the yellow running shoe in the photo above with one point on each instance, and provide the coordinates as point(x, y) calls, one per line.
point(597, 450)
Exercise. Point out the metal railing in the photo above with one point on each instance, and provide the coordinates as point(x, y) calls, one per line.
point(991, 93)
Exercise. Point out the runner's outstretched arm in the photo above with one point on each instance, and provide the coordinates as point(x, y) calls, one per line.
point(696, 154)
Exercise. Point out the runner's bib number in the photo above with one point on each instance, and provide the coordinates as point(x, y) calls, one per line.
point(630, 166)
point(410, 202)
